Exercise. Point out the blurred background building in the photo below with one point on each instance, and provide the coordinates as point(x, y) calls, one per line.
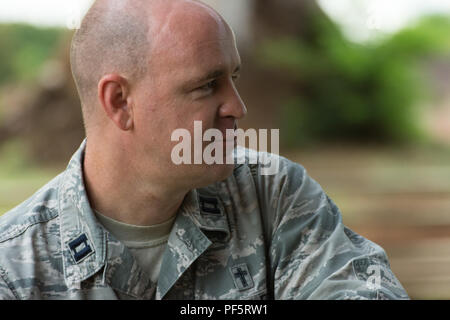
point(360, 90)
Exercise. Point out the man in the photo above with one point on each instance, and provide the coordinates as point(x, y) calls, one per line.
point(124, 222)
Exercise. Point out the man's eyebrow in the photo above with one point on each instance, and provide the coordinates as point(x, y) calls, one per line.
point(212, 75)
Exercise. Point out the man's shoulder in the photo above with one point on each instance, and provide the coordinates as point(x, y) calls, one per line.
point(41, 207)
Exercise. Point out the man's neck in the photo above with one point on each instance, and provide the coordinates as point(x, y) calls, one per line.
point(117, 193)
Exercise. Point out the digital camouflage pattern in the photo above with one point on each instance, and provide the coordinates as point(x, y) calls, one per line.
point(248, 237)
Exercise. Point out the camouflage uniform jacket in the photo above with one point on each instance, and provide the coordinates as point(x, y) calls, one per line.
point(249, 237)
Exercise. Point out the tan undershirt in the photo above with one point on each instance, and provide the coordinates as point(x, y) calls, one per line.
point(147, 243)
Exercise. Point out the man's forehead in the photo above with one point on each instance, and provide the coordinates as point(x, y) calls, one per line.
point(197, 58)
point(187, 23)
point(190, 42)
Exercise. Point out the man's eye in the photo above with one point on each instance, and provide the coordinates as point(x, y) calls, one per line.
point(209, 86)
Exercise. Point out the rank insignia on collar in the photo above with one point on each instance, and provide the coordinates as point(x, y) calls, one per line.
point(209, 205)
point(80, 248)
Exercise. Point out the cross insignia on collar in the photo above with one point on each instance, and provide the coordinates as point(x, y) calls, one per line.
point(242, 277)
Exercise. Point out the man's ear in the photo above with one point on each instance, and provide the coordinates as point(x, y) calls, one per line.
point(114, 96)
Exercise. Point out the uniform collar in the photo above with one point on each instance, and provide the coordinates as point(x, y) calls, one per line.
point(200, 218)
point(87, 247)
point(83, 240)
point(208, 212)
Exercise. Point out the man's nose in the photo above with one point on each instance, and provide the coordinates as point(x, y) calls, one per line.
point(233, 105)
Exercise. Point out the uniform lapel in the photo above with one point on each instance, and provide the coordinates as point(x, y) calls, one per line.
point(186, 243)
point(200, 215)
point(124, 275)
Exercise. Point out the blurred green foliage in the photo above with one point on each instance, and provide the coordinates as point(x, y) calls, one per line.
point(19, 177)
point(357, 92)
point(23, 50)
